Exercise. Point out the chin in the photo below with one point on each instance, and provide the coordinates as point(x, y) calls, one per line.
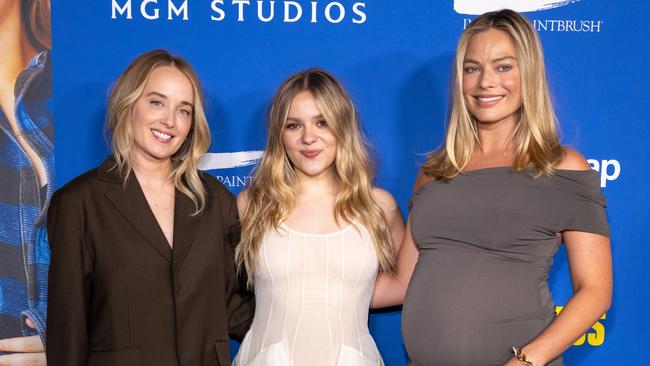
point(312, 172)
point(161, 156)
point(490, 118)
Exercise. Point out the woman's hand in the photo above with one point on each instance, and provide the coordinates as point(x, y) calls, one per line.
point(29, 350)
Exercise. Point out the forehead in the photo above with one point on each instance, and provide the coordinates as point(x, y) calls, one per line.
point(169, 81)
point(303, 103)
point(490, 44)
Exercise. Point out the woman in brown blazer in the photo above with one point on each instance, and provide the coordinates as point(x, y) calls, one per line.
point(142, 270)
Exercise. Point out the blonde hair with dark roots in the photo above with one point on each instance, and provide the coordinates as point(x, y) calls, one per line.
point(37, 19)
point(536, 134)
point(127, 89)
point(272, 192)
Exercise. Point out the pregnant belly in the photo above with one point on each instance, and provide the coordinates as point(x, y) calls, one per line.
point(469, 309)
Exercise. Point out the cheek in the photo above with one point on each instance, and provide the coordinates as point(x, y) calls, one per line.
point(329, 138)
point(515, 91)
point(290, 151)
point(135, 118)
point(137, 127)
point(184, 127)
point(512, 83)
point(142, 117)
point(467, 87)
point(287, 140)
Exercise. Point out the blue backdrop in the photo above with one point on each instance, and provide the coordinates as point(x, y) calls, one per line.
point(394, 57)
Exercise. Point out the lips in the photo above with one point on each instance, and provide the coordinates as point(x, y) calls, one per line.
point(488, 100)
point(161, 136)
point(310, 154)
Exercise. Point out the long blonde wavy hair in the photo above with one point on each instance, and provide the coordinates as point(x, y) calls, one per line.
point(124, 93)
point(272, 192)
point(536, 134)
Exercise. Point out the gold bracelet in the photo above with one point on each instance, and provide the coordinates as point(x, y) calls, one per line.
point(521, 357)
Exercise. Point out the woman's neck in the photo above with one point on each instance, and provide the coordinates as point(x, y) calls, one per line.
point(155, 174)
point(322, 185)
point(496, 138)
point(496, 145)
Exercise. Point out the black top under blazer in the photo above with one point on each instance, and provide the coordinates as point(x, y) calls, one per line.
point(119, 295)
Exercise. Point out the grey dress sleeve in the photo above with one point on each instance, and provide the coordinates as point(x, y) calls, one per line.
point(584, 203)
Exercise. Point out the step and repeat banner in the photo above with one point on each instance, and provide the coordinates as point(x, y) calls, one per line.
point(395, 60)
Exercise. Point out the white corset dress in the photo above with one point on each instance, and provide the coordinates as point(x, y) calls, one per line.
point(312, 294)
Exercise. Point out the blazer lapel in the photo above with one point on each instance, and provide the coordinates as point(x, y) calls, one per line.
point(185, 227)
point(129, 200)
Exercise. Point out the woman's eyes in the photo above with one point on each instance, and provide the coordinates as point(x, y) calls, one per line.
point(158, 104)
point(475, 69)
point(296, 125)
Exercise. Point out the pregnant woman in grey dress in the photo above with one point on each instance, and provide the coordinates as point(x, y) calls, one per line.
point(491, 208)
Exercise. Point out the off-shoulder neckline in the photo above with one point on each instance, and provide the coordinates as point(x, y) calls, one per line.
point(567, 173)
point(510, 169)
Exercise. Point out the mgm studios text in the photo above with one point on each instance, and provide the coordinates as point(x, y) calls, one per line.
point(245, 10)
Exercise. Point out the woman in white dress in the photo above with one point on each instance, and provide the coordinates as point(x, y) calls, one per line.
point(315, 232)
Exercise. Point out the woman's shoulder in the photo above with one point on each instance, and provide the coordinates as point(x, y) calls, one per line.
point(213, 185)
point(574, 176)
point(421, 179)
point(88, 181)
point(385, 199)
point(572, 160)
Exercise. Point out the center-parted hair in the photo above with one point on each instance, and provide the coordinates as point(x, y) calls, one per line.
point(536, 137)
point(123, 95)
point(272, 192)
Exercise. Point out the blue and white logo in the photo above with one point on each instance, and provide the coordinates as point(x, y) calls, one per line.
point(476, 7)
point(211, 161)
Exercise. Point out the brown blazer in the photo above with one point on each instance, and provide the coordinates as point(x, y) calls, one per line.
point(120, 296)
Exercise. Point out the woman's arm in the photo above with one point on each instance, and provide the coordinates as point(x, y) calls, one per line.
point(241, 303)
point(393, 215)
point(391, 288)
point(69, 283)
point(590, 263)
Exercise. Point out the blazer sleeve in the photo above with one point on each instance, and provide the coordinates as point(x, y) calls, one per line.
point(68, 291)
point(241, 303)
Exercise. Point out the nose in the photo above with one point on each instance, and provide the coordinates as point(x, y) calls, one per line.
point(168, 119)
point(488, 79)
point(308, 135)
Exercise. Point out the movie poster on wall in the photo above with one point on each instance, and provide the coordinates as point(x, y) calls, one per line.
point(26, 177)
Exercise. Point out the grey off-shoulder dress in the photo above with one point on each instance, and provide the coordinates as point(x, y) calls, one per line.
point(486, 243)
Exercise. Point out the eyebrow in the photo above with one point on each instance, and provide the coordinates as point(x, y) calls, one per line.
point(498, 59)
point(163, 96)
point(320, 116)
